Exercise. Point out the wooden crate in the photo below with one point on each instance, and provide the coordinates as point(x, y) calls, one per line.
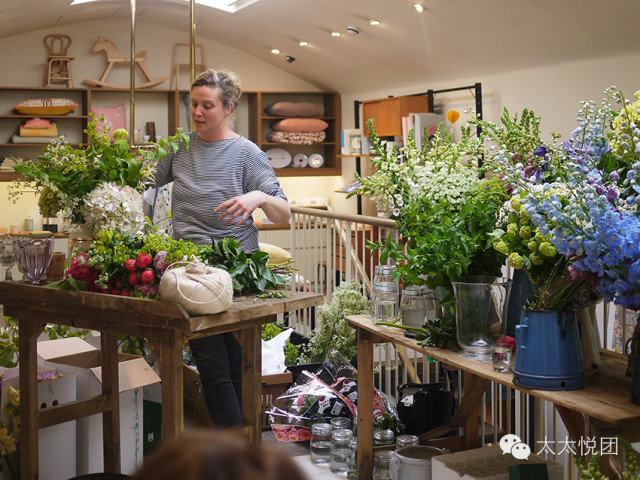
point(194, 404)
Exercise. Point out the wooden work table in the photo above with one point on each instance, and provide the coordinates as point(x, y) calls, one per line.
point(602, 408)
point(165, 325)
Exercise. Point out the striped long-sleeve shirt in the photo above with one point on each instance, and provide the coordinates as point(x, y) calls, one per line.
point(207, 174)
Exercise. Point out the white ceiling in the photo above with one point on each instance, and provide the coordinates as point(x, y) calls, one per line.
point(451, 39)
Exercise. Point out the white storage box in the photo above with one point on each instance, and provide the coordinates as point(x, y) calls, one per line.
point(487, 463)
point(134, 373)
point(56, 459)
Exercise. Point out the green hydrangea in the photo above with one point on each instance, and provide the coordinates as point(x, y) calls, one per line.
point(547, 249)
point(536, 258)
point(101, 141)
point(515, 260)
point(539, 237)
point(525, 232)
point(501, 246)
point(120, 133)
point(512, 229)
point(533, 245)
point(515, 203)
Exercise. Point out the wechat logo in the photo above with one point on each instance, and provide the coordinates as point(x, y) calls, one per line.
point(513, 445)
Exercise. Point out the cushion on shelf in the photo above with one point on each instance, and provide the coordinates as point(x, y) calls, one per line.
point(296, 138)
point(19, 139)
point(50, 131)
point(45, 106)
point(37, 123)
point(292, 109)
point(114, 118)
point(299, 125)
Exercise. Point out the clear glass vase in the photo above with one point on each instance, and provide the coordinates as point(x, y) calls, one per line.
point(481, 313)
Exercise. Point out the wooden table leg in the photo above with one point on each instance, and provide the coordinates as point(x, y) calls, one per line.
point(250, 341)
point(111, 390)
point(466, 415)
point(30, 327)
point(365, 404)
point(169, 358)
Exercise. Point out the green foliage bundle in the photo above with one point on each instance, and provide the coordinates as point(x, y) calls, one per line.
point(332, 331)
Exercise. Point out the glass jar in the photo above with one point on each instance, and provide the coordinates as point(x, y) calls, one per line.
point(381, 467)
point(384, 273)
point(383, 437)
point(413, 306)
point(352, 461)
point(384, 302)
point(407, 441)
point(432, 304)
point(320, 443)
point(340, 422)
point(340, 450)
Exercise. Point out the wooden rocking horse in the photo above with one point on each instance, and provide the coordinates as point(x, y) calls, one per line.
point(113, 57)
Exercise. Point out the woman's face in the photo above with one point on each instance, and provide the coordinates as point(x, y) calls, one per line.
point(208, 112)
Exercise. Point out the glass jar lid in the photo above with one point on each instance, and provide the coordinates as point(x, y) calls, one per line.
point(384, 287)
point(383, 437)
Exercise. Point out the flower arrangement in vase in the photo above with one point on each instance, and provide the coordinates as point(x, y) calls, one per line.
point(444, 212)
point(100, 184)
point(582, 197)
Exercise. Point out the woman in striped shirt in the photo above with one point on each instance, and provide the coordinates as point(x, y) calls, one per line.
point(217, 184)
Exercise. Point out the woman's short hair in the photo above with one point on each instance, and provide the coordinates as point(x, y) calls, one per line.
point(228, 83)
point(216, 455)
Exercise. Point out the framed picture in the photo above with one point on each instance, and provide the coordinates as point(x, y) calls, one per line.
point(352, 141)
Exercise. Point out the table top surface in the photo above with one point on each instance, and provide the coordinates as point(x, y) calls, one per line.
point(606, 396)
point(244, 311)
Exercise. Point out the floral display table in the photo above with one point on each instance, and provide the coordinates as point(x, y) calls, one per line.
point(601, 409)
point(166, 326)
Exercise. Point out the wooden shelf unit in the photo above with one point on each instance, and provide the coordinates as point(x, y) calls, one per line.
point(171, 101)
point(331, 108)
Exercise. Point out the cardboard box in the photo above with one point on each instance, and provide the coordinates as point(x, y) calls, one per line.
point(57, 460)
point(194, 405)
point(134, 373)
point(486, 463)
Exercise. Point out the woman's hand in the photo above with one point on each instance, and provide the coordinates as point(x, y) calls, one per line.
point(276, 208)
point(241, 206)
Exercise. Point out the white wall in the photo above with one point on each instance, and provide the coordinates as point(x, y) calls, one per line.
point(553, 92)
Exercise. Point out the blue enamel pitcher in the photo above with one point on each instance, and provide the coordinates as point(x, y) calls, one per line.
point(548, 352)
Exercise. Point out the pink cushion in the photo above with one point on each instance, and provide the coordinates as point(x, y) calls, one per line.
point(299, 125)
point(292, 109)
point(37, 123)
point(114, 118)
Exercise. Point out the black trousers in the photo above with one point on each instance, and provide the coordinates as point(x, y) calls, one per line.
point(219, 362)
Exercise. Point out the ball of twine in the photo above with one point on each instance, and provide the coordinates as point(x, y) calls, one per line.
point(200, 289)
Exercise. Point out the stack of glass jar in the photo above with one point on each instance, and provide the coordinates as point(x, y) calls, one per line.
point(418, 304)
point(384, 294)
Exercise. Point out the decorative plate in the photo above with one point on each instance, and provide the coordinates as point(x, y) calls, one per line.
point(300, 160)
point(278, 157)
point(316, 160)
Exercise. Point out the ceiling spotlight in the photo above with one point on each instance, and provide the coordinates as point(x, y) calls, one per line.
point(419, 8)
point(290, 59)
point(275, 51)
point(335, 34)
point(303, 43)
point(374, 22)
point(351, 30)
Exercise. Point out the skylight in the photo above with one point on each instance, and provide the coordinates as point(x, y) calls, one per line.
point(230, 6)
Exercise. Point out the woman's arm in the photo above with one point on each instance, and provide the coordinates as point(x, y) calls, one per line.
point(275, 208)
